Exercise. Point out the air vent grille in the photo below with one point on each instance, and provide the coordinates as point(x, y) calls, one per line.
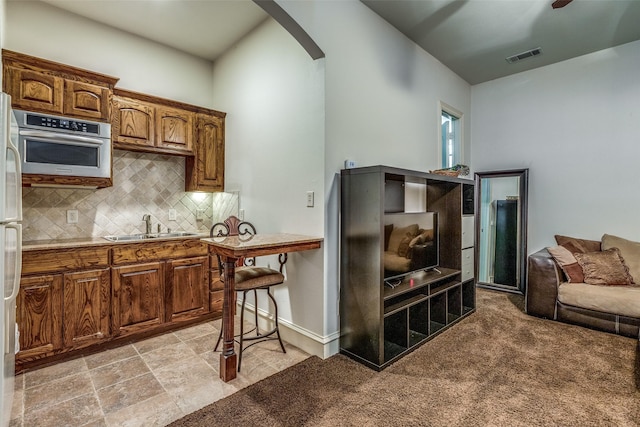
point(524, 55)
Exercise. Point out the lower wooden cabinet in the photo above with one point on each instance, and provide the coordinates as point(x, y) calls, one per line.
point(186, 291)
point(39, 316)
point(62, 312)
point(86, 307)
point(137, 293)
point(78, 299)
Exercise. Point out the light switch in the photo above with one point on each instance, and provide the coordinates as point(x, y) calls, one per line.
point(172, 215)
point(199, 214)
point(309, 199)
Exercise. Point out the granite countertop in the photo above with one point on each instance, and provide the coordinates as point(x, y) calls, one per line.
point(261, 240)
point(32, 245)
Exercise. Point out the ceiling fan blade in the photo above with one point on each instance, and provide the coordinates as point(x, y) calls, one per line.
point(560, 3)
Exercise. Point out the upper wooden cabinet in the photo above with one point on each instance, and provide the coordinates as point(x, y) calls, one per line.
point(37, 84)
point(205, 171)
point(132, 123)
point(144, 123)
point(139, 122)
point(174, 129)
point(86, 100)
point(32, 90)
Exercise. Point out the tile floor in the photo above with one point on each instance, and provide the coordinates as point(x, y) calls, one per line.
point(149, 383)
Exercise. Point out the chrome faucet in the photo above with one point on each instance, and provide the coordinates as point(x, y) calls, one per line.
point(147, 218)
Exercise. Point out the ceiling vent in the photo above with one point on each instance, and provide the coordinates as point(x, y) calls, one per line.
point(524, 55)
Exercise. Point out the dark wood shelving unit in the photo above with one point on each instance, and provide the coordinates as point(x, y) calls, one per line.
point(380, 323)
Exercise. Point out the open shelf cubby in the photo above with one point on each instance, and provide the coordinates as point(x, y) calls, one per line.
point(384, 314)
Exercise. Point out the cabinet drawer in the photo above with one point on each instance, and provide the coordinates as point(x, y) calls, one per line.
point(467, 231)
point(54, 261)
point(142, 252)
point(467, 264)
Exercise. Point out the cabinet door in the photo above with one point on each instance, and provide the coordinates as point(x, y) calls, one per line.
point(132, 123)
point(137, 297)
point(86, 100)
point(187, 288)
point(39, 315)
point(31, 90)
point(86, 307)
point(174, 129)
point(205, 171)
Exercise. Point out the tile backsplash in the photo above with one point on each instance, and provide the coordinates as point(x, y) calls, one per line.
point(142, 183)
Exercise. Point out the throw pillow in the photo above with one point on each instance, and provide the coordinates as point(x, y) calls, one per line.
point(629, 250)
point(578, 245)
point(568, 263)
point(399, 233)
point(403, 248)
point(604, 268)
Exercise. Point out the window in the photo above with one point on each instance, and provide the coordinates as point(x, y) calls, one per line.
point(451, 145)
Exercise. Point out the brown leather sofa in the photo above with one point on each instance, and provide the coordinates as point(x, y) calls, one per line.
point(544, 277)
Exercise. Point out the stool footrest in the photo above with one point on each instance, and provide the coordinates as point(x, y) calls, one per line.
point(259, 336)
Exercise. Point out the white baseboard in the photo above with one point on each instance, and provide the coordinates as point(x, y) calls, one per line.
point(308, 341)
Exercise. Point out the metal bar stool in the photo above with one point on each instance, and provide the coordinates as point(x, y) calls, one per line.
point(248, 278)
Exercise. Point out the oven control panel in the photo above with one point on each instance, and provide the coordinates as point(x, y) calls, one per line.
point(65, 124)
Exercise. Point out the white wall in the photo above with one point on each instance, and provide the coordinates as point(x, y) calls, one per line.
point(274, 94)
point(576, 126)
point(44, 31)
point(381, 103)
point(382, 90)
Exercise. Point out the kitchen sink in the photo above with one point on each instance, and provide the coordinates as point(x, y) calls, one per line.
point(134, 237)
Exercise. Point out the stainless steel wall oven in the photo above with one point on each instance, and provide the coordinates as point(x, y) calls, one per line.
point(55, 145)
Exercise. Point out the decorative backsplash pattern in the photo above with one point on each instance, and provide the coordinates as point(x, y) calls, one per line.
point(142, 184)
point(225, 205)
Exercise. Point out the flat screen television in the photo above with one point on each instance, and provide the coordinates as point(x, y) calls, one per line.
point(411, 244)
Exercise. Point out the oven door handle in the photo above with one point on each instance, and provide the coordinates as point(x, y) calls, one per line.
point(52, 136)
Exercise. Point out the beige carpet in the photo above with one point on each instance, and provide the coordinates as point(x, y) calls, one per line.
point(498, 367)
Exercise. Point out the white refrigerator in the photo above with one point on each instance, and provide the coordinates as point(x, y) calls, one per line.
point(10, 249)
